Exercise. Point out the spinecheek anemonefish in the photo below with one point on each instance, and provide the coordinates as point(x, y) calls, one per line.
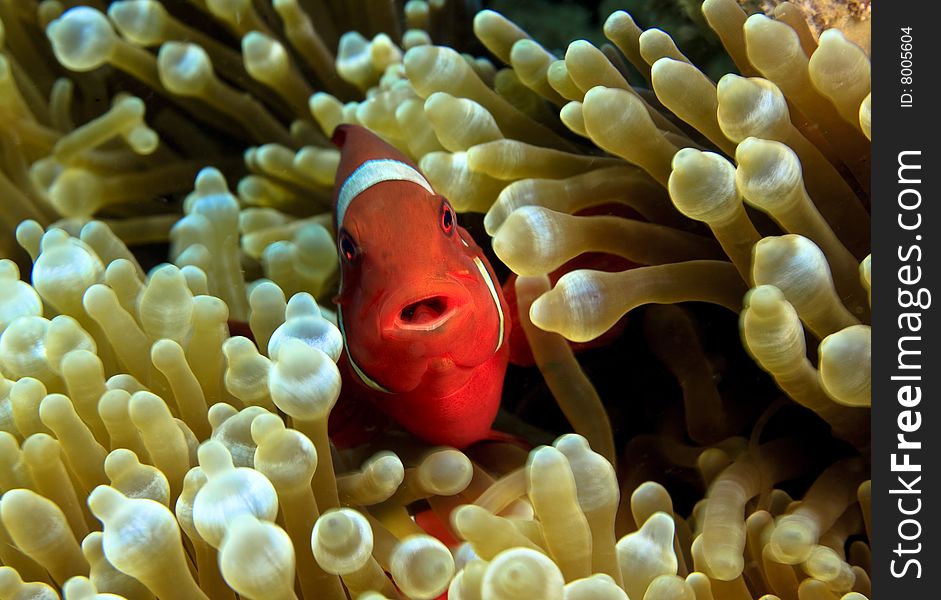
point(425, 325)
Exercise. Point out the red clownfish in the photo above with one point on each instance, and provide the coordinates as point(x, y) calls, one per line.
point(424, 322)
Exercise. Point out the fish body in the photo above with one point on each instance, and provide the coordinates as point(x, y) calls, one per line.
point(424, 321)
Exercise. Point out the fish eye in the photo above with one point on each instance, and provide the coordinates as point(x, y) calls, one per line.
point(348, 247)
point(447, 217)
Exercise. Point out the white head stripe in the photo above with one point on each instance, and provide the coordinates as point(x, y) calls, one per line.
point(496, 299)
point(369, 174)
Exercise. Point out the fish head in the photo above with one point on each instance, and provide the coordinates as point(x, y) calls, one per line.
point(419, 306)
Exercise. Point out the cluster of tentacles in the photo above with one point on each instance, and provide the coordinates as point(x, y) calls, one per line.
point(147, 451)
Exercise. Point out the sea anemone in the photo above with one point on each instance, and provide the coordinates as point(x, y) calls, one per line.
point(168, 354)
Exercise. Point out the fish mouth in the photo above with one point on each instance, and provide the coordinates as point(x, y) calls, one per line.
point(426, 314)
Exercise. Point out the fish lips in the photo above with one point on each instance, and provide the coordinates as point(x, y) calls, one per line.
point(435, 310)
point(445, 327)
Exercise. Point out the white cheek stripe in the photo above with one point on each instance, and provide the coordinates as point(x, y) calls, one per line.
point(369, 174)
point(369, 381)
point(496, 298)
